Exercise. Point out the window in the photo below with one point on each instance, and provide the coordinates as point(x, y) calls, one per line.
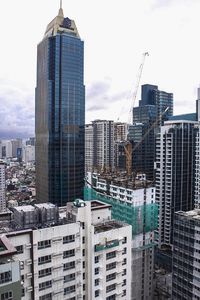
point(21, 265)
point(7, 296)
point(69, 239)
point(124, 282)
point(83, 264)
point(5, 277)
point(96, 259)
point(124, 251)
point(110, 277)
point(44, 259)
point(69, 277)
point(44, 244)
point(19, 249)
point(83, 252)
point(83, 240)
point(110, 255)
point(46, 297)
point(44, 272)
point(68, 266)
point(69, 289)
point(112, 297)
point(97, 292)
point(124, 293)
point(124, 272)
point(83, 276)
point(110, 288)
point(124, 241)
point(110, 266)
point(96, 282)
point(124, 261)
point(45, 285)
point(96, 271)
point(68, 253)
point(83, 287)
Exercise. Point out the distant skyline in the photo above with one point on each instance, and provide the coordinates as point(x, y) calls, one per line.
point(116, 33)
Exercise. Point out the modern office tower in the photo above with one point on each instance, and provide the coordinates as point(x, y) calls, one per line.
point(31, 141)
point(60, 113)
point(175, 173)
point(186, 256)
point(150, 95)
point(135, 205)
point(2, 187)
point(85, 254)
point(144, 154)
point(89, 151)
point(28, 153)
point(103, 145)
point(151, 107)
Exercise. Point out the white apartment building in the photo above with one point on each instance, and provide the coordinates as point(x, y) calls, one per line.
point(175, 173)
point(103, 145)
point(28, 153)
point(89, 148)
point(2, 187)
point(136, 205)
point(120, 131)
point(83, 255)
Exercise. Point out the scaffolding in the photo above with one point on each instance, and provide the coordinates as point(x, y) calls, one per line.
point(142, 218)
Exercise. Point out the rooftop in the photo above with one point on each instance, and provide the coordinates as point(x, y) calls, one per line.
point(109, 225)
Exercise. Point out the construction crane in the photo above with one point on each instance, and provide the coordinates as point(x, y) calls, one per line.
point(128, 147)
point(139, 75)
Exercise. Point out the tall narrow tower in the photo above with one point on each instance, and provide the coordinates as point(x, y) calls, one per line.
point(60, 113)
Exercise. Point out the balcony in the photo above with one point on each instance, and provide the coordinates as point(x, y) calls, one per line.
point(108, 245)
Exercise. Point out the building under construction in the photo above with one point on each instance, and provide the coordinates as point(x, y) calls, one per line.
point(133, 201)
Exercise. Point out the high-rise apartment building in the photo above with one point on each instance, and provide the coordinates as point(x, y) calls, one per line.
point(2, 187)
point(175, 173)
point(89, 150)
point(103, 145)
point(60, 113)
point(102, 139)
point(84, 254)
point(186, 256)
point(134, 204)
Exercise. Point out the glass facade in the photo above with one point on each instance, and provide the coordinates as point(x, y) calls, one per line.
point(60, 117)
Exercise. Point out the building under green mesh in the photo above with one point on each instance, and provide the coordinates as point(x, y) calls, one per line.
point(142, 218)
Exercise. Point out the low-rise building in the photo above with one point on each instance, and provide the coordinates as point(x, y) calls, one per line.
point(83, 254)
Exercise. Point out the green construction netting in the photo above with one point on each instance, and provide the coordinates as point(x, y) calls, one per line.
point(142, 218)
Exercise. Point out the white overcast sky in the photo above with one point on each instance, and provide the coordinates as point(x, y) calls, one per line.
point(116, 33)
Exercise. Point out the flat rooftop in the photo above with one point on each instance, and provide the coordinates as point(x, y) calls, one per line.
point(24, 208)
point(192, 214)
point(109, 225)
point(45, 205)
point(96, 204)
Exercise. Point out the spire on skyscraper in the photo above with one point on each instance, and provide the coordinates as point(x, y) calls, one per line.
point(60, 13)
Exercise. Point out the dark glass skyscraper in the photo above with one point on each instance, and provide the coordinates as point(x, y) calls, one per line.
point(60, 113)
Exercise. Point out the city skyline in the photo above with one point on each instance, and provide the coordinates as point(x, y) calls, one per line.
point(167, 30)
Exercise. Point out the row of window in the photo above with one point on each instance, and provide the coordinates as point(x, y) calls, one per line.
point(47, 243)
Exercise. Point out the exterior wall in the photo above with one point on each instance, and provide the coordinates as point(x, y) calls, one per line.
point(2, 188)
point(175, 172)
point(44, 252)
point(13, 286)
point(28, 153)
point(60, 115)
point(89, 148)
point(103, 143)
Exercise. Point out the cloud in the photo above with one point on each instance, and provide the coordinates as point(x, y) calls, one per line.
point(17, 111)
point(166, 3)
